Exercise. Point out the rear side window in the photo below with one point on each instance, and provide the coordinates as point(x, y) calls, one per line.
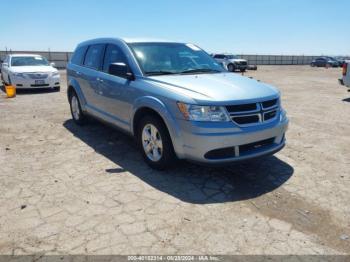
point(93, 58)
point(219, 56)
point(78, 56)
point(113, 55)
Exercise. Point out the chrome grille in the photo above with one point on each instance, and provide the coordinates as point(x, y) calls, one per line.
point(37, 75)
point(254, 113)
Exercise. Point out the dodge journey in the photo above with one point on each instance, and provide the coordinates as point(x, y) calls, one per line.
point(176, 100)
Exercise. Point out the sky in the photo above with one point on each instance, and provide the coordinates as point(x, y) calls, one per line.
point(309, 27)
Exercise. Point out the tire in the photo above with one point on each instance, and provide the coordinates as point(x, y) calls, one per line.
point(231, 67)
point(162, 156)
point(77, 114)
point(242, 70)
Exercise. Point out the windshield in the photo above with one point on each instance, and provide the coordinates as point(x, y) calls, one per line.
point(173, 58)
point(232, 57)
point(29, 61)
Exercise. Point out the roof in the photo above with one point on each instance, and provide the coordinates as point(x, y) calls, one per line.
point(126, 40)
point(147, 40)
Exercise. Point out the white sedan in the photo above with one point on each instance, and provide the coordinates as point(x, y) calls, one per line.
point(29, 71)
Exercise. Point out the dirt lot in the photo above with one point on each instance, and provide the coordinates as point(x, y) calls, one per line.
point(85, 190)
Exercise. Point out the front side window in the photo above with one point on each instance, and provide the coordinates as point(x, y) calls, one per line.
point(29, 61)
point(93, 58)
point(173, 58)
point(113, 55)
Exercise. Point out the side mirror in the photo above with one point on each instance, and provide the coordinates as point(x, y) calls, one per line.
point(121, 70)
point(52, 64)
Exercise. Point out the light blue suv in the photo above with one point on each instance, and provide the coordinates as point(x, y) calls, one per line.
point(176, 100)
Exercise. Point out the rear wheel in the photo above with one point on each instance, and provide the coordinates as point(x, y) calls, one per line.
point(75, 108)
point(155, 143)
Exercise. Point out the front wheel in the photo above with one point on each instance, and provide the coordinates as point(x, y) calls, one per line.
point(231, 68)
point(75, 108)
point(155, 143)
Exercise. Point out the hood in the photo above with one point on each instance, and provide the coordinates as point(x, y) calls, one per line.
point(33, 69)
point(237, 60)
point(222, 87)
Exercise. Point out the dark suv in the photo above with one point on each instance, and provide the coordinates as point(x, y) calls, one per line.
point(324, 62)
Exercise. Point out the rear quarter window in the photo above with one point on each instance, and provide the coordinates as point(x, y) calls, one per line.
point(78, 56)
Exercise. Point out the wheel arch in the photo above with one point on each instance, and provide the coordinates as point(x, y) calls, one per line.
point(153, 106)
point(73, 85)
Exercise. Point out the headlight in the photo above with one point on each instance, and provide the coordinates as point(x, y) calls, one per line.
point(283, 115)
point(203, 113)
point(19, 75)
point(55, 73)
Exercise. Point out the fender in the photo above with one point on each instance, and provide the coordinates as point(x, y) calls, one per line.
point(75, 84)
point(170, 122)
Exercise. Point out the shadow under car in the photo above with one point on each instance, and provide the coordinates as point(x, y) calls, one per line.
point(188, 182)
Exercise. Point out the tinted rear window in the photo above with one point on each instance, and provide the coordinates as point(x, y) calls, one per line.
point(78, 56)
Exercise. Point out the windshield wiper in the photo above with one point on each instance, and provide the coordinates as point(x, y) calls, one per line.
point(201, 70)
point(159, 73)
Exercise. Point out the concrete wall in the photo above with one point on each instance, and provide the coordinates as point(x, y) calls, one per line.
point(61, 58)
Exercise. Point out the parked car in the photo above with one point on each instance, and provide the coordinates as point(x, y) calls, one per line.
point(176, 100)
point(341, 60)
point(29, 71)
point(231, 62)
point(324, 62)
point(345, 80)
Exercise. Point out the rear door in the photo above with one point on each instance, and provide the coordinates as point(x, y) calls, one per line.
point(90, 76)
point(113, 89)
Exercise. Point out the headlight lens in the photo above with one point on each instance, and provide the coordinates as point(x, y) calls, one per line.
point(19, 75)
point(55, 73)
point(283, 115)
point(203, 113)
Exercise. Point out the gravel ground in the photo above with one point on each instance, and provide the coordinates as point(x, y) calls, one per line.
point(66, 189)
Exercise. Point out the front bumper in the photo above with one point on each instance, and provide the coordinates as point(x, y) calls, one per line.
point(201, 139)
point(49, 82)
point(241, 67)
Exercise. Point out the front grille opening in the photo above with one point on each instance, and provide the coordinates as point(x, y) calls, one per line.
point(38, 76)
point(240, 108)
point(226, 152)
point(269, 103)
point(245, 149)
point(244, 120)
point(270, 115)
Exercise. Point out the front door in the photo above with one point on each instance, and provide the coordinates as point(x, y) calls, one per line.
point(114, 90)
